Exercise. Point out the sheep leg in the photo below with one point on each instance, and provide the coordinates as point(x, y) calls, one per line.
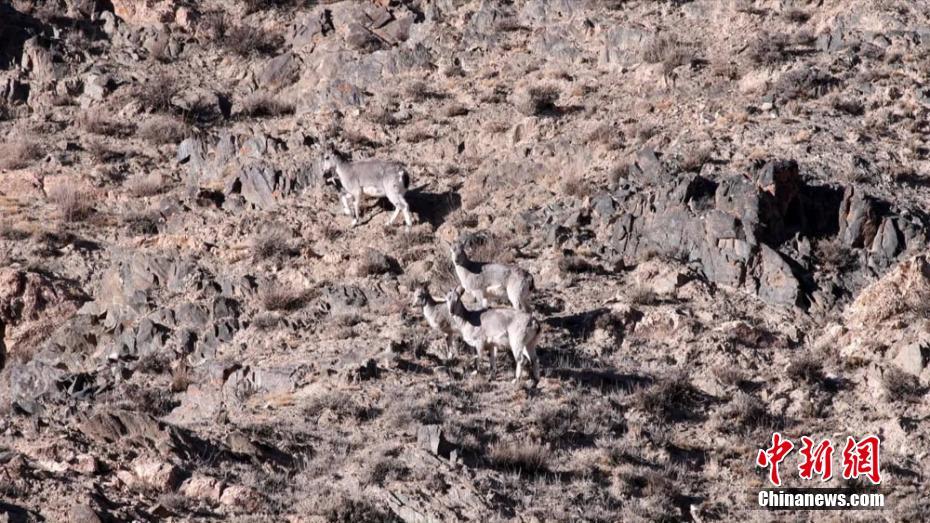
point(494, 362)
point(406, 208)
point(356, 206)
point(344, 199)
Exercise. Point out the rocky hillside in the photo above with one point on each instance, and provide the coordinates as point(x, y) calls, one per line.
point(724, 205)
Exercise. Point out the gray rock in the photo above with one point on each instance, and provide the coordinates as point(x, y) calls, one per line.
point(777, 283)
point(280, 71)
point(257, 183)
point(859, 218)
point(96, 86)
point(431, 438)
point(913, 358)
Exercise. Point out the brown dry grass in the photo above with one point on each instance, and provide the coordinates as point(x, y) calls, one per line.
point(19, 154)
point(73, 204)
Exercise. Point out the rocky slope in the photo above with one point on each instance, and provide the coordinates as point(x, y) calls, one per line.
point(723, 204)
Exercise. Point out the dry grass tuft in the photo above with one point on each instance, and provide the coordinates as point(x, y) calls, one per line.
point(806, 368)
point(272, 244)
point(279, 297)
point(160, 130)
point(375, 263)
point(247, 41)
point(147, 185)
point(835, 256)
point(96, 122)
point(262, 105)
point(156, 93)
point(73, 204)
point(901, 386)
point(525, 458)
point(537, 100)
point(19, 154)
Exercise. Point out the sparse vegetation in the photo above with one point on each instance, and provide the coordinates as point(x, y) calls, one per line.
point(900, 385)
point(806, 368)
point(246, 40)
point(96, 122)
point(156, 94)
point(538, 100)
point(262, 105)
point(144, 186)
point(161, 130)
point(73, 204)
point(524, 457)
point(279, 297)
point(19, 154)
point(271, 243)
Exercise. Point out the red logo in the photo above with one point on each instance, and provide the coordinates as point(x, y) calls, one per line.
point(816, 461)
point(861, 459)
point(773, 456)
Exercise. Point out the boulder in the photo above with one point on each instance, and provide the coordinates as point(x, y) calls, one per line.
point(860, 217)
point(154, 473)
point(913, 358)
point(776, 282)
point(200, 486)
point(241, 499)
point(280, 71)
point(431, 438)
point(144, 12)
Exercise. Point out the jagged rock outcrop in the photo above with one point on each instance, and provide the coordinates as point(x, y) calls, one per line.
point(744, 232)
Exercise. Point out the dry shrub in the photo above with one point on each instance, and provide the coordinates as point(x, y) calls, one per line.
point(835, 256)
point(694, 158)
point(162, 130)
point(101, 152)
point(768, 49)
point(510, 24)
point(262, 105)
point(9, 231)
point(147, 185)
point(806, 368)
point(797, 15)
point(374, 263)
point(271, 244)
point(901, 385)
point(643, 295)
point(247, 41)
point(180, 378)
point(19, 154)
point(454, 110)
point(266, 321)
point(538, 99)
point(156, 93)
point(96, 122)
point(671, 399)
point(575, 186)
point(142, 223)
point(418, 91)
point(279, 297)
point(746, 413)
point(73, 204)
point(343, 509)
point(254, 6)
point(522, 457)
point(608, 135)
